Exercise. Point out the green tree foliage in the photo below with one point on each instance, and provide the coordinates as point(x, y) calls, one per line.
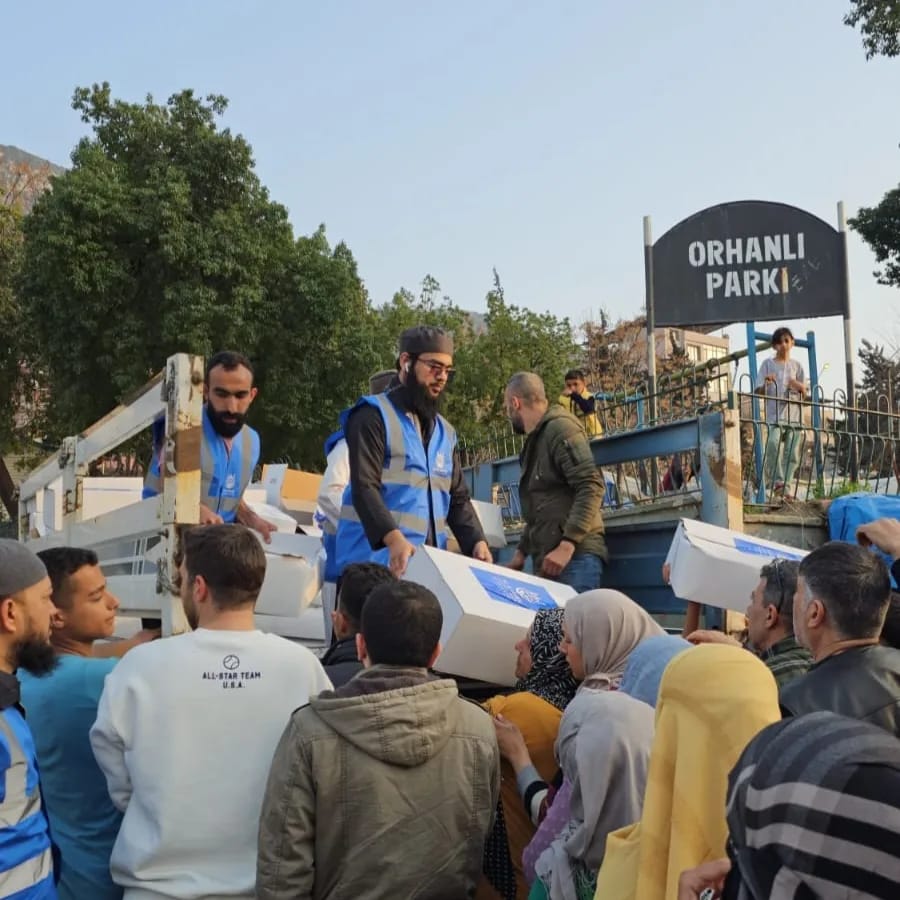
point(879, 227)
point(879, 25)
point(11, 373)
point(161, 239)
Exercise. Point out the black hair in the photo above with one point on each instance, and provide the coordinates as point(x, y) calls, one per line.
point(572, 374)
point(63, 562)
point(229, 360)
point(781, 585)
point(354, 585)
point(890, 631)
point(852, 583)
point(779, 333)
point(231, 561)
point(401, 623)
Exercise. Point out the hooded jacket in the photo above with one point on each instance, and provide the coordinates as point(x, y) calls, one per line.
point(385, 788)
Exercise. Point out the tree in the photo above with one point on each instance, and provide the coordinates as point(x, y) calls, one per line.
point(879, 24)
point(160, 239)
point(879, 227)
point(878, 420)
point(11, 373)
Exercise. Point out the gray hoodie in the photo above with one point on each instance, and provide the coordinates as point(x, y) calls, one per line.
point(385, 788)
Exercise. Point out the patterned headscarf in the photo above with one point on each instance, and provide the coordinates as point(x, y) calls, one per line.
point(550, 677)
point(605, 626)
point(814, 811)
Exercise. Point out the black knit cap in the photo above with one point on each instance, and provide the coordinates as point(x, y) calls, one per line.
point(426, 339)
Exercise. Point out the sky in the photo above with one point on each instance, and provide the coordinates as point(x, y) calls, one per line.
point(528, 136)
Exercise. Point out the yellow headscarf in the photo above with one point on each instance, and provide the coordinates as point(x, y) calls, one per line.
point(713, 700)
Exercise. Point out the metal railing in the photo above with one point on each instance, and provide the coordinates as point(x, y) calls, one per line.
point(833, 448)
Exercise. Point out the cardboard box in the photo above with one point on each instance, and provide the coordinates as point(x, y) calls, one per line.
point(718, 567)
point(487, 609)
point(292, 575)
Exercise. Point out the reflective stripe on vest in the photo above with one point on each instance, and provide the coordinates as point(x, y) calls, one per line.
point(27, 858)
point(415, 485)
point(225, 506)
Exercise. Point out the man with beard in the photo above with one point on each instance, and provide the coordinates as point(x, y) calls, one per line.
point(187, 727)
point(26, 859)
point(406, 486)
point(229, 450)
point(560, 489)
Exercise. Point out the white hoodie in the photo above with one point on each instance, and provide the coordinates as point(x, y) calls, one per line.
point(185, 733)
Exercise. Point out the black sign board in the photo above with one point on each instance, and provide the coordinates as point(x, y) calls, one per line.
point(748, 261)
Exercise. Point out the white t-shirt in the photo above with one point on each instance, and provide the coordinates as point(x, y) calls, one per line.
point(185, 733)
point(778, 395)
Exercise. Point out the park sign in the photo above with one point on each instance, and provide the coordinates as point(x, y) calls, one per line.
point(748, 261)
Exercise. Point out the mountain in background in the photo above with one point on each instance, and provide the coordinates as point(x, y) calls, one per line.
point(24, 177)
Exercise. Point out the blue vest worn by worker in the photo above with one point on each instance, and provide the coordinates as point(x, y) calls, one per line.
point(225, 475)
point(26, 854)
point(329, 532)
point(415, 485)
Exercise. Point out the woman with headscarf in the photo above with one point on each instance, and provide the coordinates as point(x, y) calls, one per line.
point(544, 687)
point(601, 628)
point(813, 812)
point(712, 700)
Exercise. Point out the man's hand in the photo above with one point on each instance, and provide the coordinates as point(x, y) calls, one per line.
point(120, 648)
point(712, 637)
point(482, 551)
point(666, 572)
point(883, 533)
point(557, 559)
point(400, 552)
point(208, 517)
point(264, 527)
point(511, 743)
point(517, 563)
point(710, 875)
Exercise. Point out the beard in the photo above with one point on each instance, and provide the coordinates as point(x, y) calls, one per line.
point(190, 610)
point(518, 426)
point(220, 423)
point(420, 401)
point(36, 655)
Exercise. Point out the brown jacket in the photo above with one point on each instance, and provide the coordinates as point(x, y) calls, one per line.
point(383, 789)
point(560, 489)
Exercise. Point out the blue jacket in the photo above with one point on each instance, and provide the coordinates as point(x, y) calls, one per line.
point(329, 535)
point(225, 475)
point(26, 852)
point(415, 485)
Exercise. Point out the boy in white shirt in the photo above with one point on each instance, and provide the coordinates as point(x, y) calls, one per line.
point(783, 382)
point(187, 727)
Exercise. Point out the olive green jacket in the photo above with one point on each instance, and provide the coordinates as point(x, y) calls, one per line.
point(560, 489)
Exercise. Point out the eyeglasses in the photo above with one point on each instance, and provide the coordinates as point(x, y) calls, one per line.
point(777, 564)
point(437, 369)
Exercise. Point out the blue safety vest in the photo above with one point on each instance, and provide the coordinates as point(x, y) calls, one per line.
point(415, 485)
point(26, 853)
point(225, 475)
point(329, 532)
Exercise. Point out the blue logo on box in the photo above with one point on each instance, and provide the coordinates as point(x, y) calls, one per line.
point(746, 546)
point(515, 592)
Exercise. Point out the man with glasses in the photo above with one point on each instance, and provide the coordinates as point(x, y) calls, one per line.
point(406, 486)
point(782, 381)
point(770, 623)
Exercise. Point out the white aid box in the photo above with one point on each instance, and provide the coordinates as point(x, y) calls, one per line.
point(292, 575)
point(486, 609)
point(718, 567)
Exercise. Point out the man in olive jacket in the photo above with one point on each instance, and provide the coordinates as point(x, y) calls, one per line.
point(560, 489)
point(386, 787)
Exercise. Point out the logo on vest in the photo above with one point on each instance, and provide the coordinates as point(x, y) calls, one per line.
point(230, 481)
point(440, 463)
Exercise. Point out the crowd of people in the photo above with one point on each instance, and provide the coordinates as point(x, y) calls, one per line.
point(626, 763)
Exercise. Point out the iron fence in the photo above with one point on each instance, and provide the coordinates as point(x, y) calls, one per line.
point(825, 447)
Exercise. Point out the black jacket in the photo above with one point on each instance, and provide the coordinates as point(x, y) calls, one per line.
point(340, 662)
point(862, 683)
